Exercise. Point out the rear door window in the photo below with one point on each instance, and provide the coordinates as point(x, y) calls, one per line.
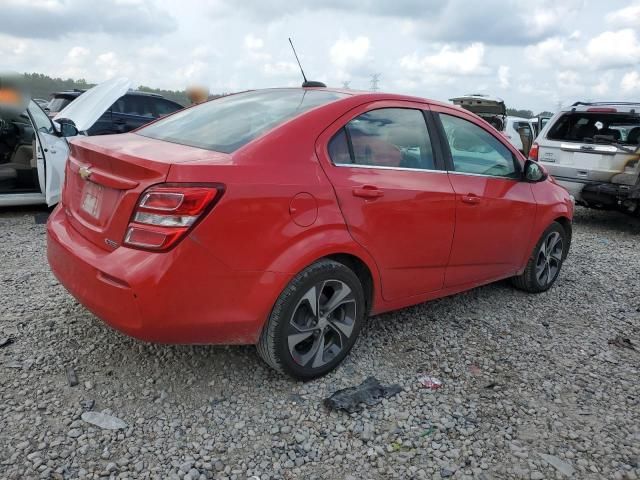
point(476, 151)
point(386, 137)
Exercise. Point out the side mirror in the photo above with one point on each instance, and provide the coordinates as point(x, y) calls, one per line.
point(534, 172)
point(67, 128)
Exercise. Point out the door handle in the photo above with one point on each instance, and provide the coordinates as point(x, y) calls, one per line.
point(367, 191)
point(471, 199)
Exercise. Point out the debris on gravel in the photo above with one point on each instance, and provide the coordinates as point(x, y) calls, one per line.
point(369, 392)
point(103, 420)
point(527, 378)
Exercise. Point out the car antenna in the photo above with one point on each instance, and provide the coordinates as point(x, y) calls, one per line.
point(306, 83)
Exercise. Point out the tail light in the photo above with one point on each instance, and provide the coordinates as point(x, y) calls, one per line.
point(166, 213)
point(533, 152)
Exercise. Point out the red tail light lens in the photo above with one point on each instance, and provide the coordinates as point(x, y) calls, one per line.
point(533, 152)
point(166, 213)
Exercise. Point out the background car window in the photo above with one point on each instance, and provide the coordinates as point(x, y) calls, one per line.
point(387, 137)
point(525, 125)
point(474, 150)
point(41, 120)
point(162, 107)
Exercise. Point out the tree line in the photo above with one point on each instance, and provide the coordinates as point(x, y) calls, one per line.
point(43, 86)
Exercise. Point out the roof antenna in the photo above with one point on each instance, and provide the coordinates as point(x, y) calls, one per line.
point(306, 83)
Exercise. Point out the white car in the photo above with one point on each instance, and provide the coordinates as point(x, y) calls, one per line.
point(494, 111)
point(593, 150)
point(34, 148)
point(512, 128)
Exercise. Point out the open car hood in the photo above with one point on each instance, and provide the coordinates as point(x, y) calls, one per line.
point(481, 104)
point(85, 110)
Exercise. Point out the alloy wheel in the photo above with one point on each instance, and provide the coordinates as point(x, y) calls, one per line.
point(322, 323)
point(549, 259)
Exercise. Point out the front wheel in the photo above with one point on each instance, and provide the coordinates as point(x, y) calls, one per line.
point(315, 321)
point(545, 262)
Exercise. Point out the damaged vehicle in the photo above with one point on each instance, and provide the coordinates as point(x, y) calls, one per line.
point(592, 149)
point(519, 131)
point(283, 218)
point(34, 148)
point(131, 111)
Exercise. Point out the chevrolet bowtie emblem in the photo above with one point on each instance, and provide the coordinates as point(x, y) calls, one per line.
point(85, 172)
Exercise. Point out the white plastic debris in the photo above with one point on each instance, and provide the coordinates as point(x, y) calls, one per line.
point(427, 381)
point(103, 420)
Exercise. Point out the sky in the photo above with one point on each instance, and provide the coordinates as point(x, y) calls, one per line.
point(536, 55)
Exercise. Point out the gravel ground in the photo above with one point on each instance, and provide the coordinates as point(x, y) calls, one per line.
point(532, 387)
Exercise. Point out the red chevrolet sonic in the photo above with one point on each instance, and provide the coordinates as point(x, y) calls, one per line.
point(284, 217)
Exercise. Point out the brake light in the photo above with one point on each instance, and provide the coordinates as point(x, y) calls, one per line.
point(166, 213)
point(602, 110)
point(533, 152)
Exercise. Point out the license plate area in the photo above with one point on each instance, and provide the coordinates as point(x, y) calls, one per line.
point(91, 199)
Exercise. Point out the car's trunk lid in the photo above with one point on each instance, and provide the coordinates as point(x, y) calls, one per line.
point(106, 175)
point(481, 104)
point(587, 162)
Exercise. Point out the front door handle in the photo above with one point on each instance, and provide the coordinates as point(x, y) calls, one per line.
point(367, 191)
point(471, 199)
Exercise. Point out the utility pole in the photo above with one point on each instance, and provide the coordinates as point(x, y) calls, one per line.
point(375, 79)
point(346, 84)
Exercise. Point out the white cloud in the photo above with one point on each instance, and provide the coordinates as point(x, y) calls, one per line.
point(504, 74)
point(253, 43)
point(609, 49)
point(631, 82)
point(281, 69)
point(347, 52)
point(614, 49)
point(603, 87)
point(625, 17)
point(448, 60)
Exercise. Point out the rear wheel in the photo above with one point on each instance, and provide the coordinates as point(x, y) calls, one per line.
point(315, 321)
point(545, 262)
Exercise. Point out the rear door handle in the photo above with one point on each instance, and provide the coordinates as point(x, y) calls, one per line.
point(471, 199)
point(367, 191)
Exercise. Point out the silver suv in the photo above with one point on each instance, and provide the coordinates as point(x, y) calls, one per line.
point(592, 149)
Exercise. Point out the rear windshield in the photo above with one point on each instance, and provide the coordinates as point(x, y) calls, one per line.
point(58, 103)
point(593, 127)
point(228, 123)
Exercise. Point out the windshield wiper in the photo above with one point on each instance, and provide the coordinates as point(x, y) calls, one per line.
point(610, 141)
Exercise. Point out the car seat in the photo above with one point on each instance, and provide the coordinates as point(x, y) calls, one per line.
point(634, 136)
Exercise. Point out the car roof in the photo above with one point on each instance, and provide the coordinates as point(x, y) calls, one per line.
point(78, 92)
point(621, 107)
point(371, 96)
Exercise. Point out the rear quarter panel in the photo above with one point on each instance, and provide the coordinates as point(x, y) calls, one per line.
point(252, 227)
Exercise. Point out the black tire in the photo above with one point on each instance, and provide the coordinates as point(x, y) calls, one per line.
point(292, 318)
point(530, 280)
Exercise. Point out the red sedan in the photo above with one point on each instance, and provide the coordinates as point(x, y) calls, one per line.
point(283, 218)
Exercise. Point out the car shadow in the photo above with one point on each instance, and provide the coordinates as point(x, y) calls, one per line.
point(607, 220)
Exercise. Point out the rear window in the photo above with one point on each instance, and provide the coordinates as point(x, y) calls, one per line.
point(593, 127)
point(58, 103)
point(228, 123)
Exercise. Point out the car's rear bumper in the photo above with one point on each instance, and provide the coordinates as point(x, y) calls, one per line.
point(182, 296)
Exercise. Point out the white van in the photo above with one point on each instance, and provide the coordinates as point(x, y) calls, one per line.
point(34, 148)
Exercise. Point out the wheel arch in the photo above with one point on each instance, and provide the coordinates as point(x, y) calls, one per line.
point(362, 271)
point(565, 223)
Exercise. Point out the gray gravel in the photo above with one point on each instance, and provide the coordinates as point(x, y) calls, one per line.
point(532, 387)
